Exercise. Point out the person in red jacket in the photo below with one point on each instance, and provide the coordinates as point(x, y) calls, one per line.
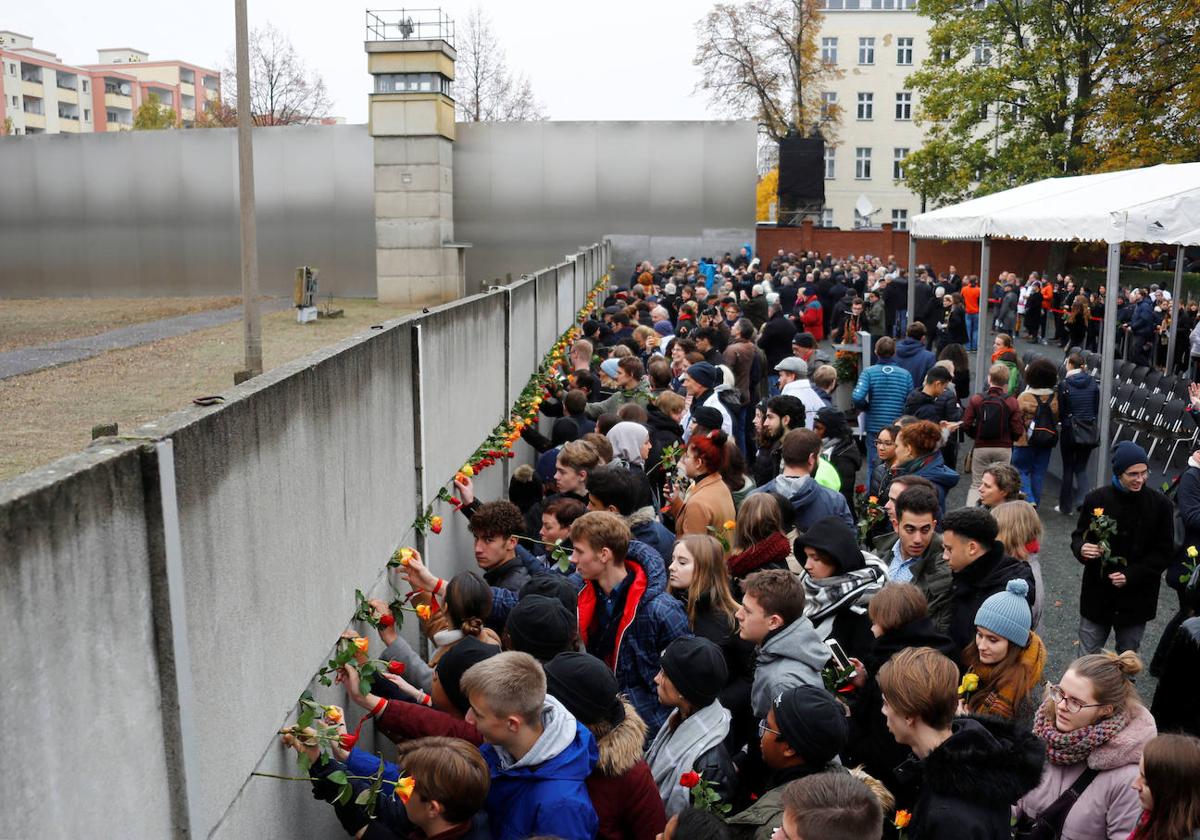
point(621, 787)
point(814, 316)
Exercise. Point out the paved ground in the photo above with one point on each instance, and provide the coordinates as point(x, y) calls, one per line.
point(30, 359)
point(1061, 571)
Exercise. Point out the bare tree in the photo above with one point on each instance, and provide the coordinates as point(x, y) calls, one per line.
point(760, 59)
point(282, 90)
point(484, 88)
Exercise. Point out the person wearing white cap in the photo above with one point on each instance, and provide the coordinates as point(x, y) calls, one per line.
point(793, 382)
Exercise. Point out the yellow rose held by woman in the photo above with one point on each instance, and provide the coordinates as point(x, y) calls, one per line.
point(970, 682)
point(423, 612)
point(729, 525)
point(1192, 552)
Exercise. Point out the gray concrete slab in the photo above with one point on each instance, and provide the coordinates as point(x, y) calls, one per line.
point(32, 359)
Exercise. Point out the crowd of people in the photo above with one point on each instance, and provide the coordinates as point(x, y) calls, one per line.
point(729, 600)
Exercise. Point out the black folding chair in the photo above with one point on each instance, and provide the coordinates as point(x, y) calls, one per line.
point(1124, 370)
point(1151, 379)
point(1149, 416)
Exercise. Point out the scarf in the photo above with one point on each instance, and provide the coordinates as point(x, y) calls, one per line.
point(602, 634)
point(675, 752)
point(1067, 748)
point(824, 598)
point(773, 548)
point(996, 356)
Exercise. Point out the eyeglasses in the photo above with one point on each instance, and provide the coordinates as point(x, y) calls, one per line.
point(763, 729)
point(1066, 701)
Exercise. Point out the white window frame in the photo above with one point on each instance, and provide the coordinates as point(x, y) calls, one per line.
point(866, 50)
point(862, 163)
point(827, 217)
point(829, 99)
point(866, 106)
point(899, 219)
point(830, 163)
point(829, 50)
point(899, 153)
point(904, 105)
point(904, 51)
point(983, 52)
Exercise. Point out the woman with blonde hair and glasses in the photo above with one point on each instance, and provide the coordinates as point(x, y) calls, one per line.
point(1094, 727)
point(1021, 534)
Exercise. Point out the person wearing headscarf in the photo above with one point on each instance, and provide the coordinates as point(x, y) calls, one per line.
point(630, 442)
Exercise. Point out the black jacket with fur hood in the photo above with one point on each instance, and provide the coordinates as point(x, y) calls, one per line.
point(967, 786)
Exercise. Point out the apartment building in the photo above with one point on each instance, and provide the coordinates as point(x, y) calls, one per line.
point(41, 94)
point(876, 44)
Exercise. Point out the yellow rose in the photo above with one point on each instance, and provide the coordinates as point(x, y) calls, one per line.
point(360, 643)
point(729, 525)
point(406, 554)
point(423, 612)
point(1192, 552)
point(468, 470)
point(970, 682)
point(404, 788)
point(333, 714)
point(873, 500)
point(1098, 512)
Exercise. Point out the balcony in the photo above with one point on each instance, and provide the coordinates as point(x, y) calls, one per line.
point(33, 105)
point(119, 119)
point(34, 120)
point(166, 98)
point(67, 81)
point(187, 77)
point(68, 112)
point(31, 73)
point(32, 89)
point(187, 103)
point(116, 100)
point(117, 87)
point(212, 83)
point(69, 95)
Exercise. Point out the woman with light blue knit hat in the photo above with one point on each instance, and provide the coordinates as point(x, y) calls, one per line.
point(1005, 662)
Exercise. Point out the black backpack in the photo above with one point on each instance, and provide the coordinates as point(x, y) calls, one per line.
point(1043, 431)
point(994, 416)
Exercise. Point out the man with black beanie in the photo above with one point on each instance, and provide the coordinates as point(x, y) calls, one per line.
point(540, 626)
point(803, 733)
point(621, 787)
point(691, 740)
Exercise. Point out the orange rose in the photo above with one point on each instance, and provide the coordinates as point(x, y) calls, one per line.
point(360, 643)
point(729, 525)
point(404, 788)
point(1098, 512)
point(333, 714)
point(903, 818)
point(423, 612)
point(873, 500)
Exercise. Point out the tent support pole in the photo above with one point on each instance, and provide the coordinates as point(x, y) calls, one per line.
point(1176, 308)
point(912, 284)
point(1108, 341)
point(983, 356)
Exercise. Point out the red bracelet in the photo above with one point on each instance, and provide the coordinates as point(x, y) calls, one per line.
point(426, 700)
point(437, 588)
point(379, 707)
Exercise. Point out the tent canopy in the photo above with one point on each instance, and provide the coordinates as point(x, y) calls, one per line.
point(1157, 204)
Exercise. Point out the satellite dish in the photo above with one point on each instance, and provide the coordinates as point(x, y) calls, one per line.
point(864, 207)
point(406, 27)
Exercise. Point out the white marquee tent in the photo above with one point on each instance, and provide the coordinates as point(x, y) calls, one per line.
point(1155, 205)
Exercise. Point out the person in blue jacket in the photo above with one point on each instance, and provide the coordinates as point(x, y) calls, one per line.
point(881, 391)
point(913, 355)
point(811, 502)
point(538, 754)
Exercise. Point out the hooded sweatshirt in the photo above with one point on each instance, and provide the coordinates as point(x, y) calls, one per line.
point(793, 655)
point(544, 792)
point(914, 358)
point(810, 500)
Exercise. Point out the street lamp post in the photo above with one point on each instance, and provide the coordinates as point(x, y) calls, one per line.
point(251, 321)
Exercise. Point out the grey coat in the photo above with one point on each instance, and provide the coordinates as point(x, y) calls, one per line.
point(792, 656)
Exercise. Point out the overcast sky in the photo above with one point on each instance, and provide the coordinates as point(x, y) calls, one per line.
point(618, 60)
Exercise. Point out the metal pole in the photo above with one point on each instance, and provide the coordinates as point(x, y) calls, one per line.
point(251, 323)
point(912, 283)
point(983, 356)
point(1176, 308)
point(1108, 367)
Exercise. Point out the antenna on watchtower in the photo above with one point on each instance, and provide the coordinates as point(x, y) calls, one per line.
point(406, 28)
